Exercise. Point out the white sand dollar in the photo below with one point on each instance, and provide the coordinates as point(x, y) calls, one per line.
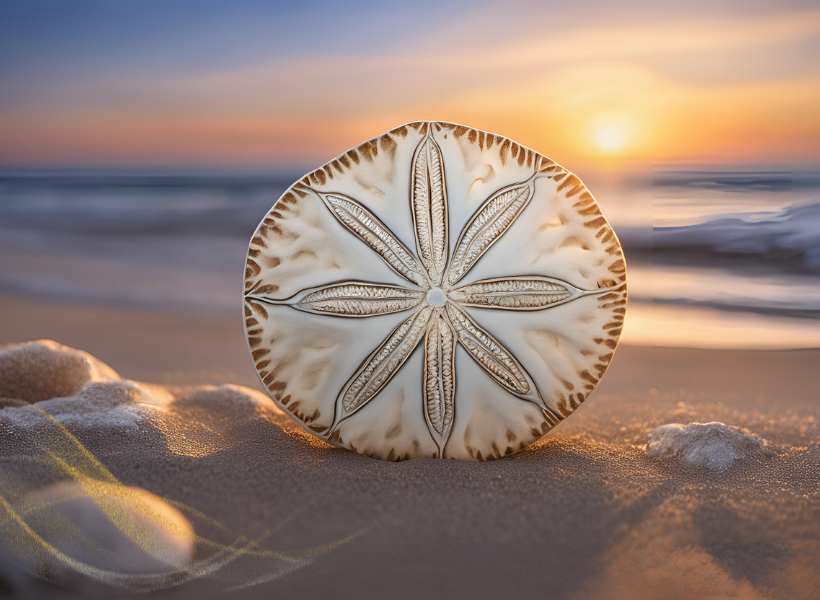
point(436, 291)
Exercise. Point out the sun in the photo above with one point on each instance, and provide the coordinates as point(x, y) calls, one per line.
point(610, 139)
point(611, 134)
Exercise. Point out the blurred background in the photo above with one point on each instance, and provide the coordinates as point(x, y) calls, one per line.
point(141, 142)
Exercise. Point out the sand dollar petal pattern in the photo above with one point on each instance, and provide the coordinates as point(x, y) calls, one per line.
point(537, 322)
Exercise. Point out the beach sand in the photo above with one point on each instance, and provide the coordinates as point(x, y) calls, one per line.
point(584, 513)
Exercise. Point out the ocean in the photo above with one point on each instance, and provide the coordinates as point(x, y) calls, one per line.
point(716, 258)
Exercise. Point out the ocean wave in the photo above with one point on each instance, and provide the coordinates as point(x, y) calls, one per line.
point(136, 205)
point(230, 206)
point(789, 238)
point(760, 180)
point(750, 305)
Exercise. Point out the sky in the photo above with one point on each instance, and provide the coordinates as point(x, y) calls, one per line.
point(275, 85)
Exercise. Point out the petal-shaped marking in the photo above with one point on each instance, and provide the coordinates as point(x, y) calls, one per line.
point(428, 205)
point(382, 364)
point(439, 379)
point(519, 292)
point(492, 219)
point(376, 235)
point(351, 299)
point(491, 355)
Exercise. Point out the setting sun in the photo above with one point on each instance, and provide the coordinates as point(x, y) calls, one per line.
point(610, 138)
point(612, 135)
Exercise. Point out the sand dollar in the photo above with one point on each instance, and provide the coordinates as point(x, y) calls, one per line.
point(437, 291)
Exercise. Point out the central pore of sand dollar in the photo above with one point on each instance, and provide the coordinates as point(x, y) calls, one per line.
point(436, 297)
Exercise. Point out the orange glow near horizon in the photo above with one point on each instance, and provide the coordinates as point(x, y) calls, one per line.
point(733, 125)
point(589, 96)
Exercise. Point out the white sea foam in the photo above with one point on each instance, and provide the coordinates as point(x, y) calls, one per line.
point(99, 406)
point(714, 446)
point(44, 384)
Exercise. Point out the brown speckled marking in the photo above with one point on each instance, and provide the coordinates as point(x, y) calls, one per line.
point(393, 431)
